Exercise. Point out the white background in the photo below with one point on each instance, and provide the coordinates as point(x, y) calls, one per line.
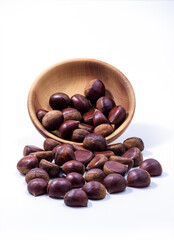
point(136, 37)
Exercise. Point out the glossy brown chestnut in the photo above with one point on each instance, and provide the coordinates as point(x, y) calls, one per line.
point(114, 183)
point(49, 144)
point(135, 154)
point(80, 103)
point(97, 162)
point(76, 198)
point(117, 115)
point(59, 101)
point(51, 168)
point(73, 166)
point(152, 166)
point(95, 174)
point(63, 155)
point(138, 178)
point(95, 142)
point(58, 187)
point(86, 127)
point(94, 190)
point(99, 118)
point(37, 186)
point(114, 167)
point(48, 155)
point(83, 156)
point(124, 160)
point(67, 128)
point(79, 134)
point(118, 148)
point(94, 90)
point(55, 149)
point(105, 104)
point(40, 114)
point(71, 114)
point(134, 142)
point(78, 147)
point(76, 179)
point(107, 153)
point(88, 117)
point(30, 148)
point(52, 120)
point(37, 173)
point(104, 129)
point(26, 163)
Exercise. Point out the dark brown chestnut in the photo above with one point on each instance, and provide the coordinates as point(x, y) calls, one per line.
point(114, 167)
point(124, 160)
point(117, 115)
point(97, 162)
point(48, 155)
point(58, 187)
point(49, 144)
point(73, 166)
point(76, 179)
point(86, 127)
point(138, 178)
point(118, 148)
point(71, 114)
point(40, 114)
point(79, 134)
point(107, 153)
point(95, 174)
point(104, 129)
point(26, 163)
point(99, 118)
point(76, 198)
point(88, 117)
point(94, 190)
point(152, 166)
point(95, 142)
point(31, 148)
point(52, 120)
point(63, 155)
point(94, 90)
point(115, 183)
point(51, 168)
point(37, 173)
point(83, 156)
point(37, 186)
point(55, 149)
point(105, 104)
point(67, 128)
point(135, 154)
point(59, 101)
point(134, 142)
point(80, 103)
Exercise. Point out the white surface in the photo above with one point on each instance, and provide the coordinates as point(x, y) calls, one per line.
point(137, 37)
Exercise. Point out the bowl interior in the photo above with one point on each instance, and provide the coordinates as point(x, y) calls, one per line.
point(71, 77)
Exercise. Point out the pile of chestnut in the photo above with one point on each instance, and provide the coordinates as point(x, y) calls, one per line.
point(78, 173)
point(74, 118)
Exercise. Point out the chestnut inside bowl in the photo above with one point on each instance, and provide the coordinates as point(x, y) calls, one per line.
point(71, 77)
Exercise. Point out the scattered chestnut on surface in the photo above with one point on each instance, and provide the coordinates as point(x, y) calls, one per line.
point(49, 144)
point(37, 186)
point(95, 142)
point(71, 114)
point(94, 190)
point(115, 183)
point(63, 155)
point(80, 103)
point(134, 142)
point(124, 160)
point(117, 115)
point(30, 149)
point(97, 162)
point(52, 120)
point(51, 168)
point(94, 90)
point(76, 198)
point(48, 155)
point(73, 166)
point(107, 153)
point(118, 148)
point(59, 101)
point(83, 156)
point(95, 174)
point(76, 179)
point(115, 167)
point(138, 178)
point(152, 166)
point(37, 173)
point(58, 187)
point(26, 163)
point(135, 154)
point(105, 104)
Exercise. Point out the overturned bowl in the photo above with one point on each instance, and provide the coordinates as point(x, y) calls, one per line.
point(71, 77)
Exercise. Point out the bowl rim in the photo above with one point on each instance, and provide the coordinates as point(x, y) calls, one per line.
point(113, 136)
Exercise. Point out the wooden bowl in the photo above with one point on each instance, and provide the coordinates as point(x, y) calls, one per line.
point(71, 77)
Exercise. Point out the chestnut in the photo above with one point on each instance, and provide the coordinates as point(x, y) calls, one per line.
point(138, 178)
point(48, 155)
point(86, 127)
point(56, 148)
point(114, 183)
point(95, 142)
point(80, 103)
point(76, 198)
point(26, 163)
point(83, 156)
point(94, 90)
point(152, 166)
point(88, 117)
point(63, 155)
point(30, 149)
point(76, 179)
point(51, 168)
point(40, 114)
point(134, 142)
point(73, 166)
point(49, 144)
point(135, 154)
point(58, 187)
point(37, 173)
point(97, 162)
point(105, 104)
point(99, 118)
point(95, 174)
point(107, 153)
point(71, 114)
point(114, 167)
point(117, 115)
point(67, 127)
point(104, 129)
point(124, 160)
point(37, 186)
point(94, 190)
point(79, 134)
point(52, 120)
point(59, 101)
point(118, 148)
